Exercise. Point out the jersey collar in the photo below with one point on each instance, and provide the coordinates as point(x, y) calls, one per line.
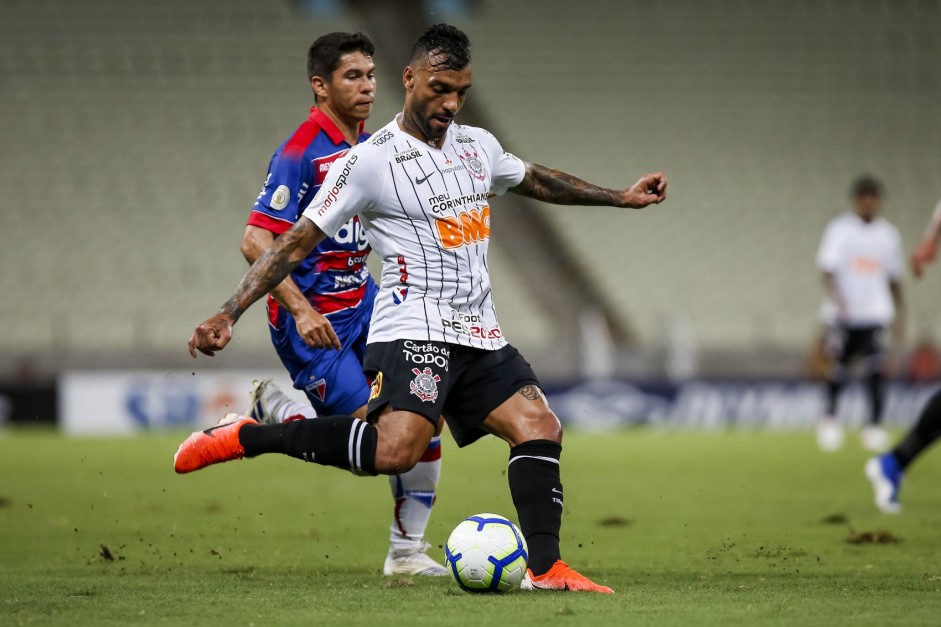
point(335, 134)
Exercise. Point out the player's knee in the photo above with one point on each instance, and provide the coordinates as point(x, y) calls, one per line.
point(396, 458)
point(539, 423)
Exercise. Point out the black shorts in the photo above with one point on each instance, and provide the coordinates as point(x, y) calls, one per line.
point(847, 344)
point(435, 379)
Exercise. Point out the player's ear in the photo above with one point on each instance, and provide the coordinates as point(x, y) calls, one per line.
point(319, 86)
point(408, 78)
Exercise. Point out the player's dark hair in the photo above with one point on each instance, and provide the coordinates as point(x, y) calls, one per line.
point(447, 47)
point(323, 57)
point(866, 185)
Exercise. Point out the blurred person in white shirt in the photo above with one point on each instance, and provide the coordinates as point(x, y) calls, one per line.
point(861, 259)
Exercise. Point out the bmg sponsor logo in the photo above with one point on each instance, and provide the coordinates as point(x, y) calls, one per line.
point(469, 227)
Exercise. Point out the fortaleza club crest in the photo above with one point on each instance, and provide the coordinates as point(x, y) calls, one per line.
point(425, 385)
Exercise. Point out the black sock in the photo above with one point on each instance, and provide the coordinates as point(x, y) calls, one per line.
point(923, 434)
point(834, 386)
point(537, 494)
point(876, 385)
point(340, 441)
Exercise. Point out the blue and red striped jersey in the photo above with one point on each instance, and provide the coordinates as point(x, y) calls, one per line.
point(334, 276)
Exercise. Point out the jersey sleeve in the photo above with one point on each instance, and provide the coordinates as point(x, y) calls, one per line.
point(277, 206)
point(508, 170)
point(351, 187)
point(828, 255)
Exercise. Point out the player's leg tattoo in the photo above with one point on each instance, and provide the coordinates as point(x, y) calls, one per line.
point(536, 487)
point(532, 393)
point(925, 432)
point(340, 441)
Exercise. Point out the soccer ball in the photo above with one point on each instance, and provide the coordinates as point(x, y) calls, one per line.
point(486, 553)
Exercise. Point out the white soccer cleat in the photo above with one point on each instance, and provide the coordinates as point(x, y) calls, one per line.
point(830, 435)
point(412, 562)
point(885, 475)
point(874, 438)
point(267, 399)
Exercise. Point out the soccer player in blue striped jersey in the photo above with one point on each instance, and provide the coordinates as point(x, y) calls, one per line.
point(319, 316)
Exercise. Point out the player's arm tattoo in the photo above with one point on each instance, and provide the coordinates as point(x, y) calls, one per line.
point(561, 188)
point(532, 393)
point(273, 266)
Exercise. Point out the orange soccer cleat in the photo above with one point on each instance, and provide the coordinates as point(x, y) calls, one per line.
point(213, 446)
point(562, 577)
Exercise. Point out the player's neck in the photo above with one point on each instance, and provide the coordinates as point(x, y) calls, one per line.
point(349, 127)
point(408, 126)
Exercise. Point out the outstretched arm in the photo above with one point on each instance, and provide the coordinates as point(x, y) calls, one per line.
point(927, 250)
point(264, 275)
point(313, 327)
point(561, 188)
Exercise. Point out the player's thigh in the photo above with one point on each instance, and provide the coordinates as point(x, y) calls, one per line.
point(498, 393)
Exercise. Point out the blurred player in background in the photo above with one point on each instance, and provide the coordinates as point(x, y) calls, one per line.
point(421, 186)
point(886, 471)
point(861, 259)
point(319, 315)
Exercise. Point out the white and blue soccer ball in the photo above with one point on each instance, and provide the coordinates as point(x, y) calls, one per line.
point(486, 553)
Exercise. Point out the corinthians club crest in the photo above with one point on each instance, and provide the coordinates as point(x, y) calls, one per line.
point(425, 385)
point(474, 165)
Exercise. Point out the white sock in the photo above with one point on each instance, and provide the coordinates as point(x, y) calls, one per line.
point(414, 494)
point(294, 410)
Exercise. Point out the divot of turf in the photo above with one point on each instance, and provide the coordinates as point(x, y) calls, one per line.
point(879, 536)
point(106, 554)
point(614, 521)
point(835, 519)
point(400, 582)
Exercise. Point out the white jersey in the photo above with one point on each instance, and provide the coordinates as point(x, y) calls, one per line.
point(425, 213)
point(863, 259)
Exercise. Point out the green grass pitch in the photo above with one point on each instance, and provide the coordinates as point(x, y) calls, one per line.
point(689, 528)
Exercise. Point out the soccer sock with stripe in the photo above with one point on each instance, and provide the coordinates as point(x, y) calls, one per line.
point(341, 441)
point(414, 494)
point(536, 487)
point(923, 434)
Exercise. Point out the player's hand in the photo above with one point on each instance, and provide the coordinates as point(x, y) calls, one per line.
point(316, 330)
point(924, 256)
point(649, 190)
point(212, 335)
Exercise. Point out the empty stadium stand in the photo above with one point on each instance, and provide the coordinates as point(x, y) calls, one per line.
point(135, 137)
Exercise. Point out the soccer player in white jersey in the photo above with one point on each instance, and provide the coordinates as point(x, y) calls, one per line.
point(886, 471)
point(420, 186)
point(860, 257)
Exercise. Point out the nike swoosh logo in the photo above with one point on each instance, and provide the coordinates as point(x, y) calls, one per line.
point(419, 181)
point(211, 429)
point(557, 491)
